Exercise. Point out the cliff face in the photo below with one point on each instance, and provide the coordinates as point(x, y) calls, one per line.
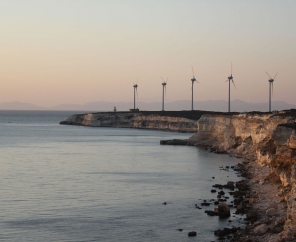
point(134, 120)
point(269, 139)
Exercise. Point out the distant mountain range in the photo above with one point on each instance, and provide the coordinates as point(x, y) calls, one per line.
point(210, 105)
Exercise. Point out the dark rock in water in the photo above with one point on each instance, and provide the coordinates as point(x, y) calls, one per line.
point(180, 230)
point(219, 232)
point(216, 202)
point(221, 193)
point(220, 152)
point(164, 203)
point(174, 142)
point(213, 177)
point(230, 185)
point(217, 185)
point(211, 213)
point(191, 234)
point(223, 210)
point(213, 190)
point(205, 204)
point(197, 206)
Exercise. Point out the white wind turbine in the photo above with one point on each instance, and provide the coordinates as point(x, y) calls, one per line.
point(135, 91)
point(192, 80)
point(163, 91)
point(230, 79)
point(271, 80)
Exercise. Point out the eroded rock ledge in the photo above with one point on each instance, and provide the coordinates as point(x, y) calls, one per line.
point(177, 121)
point(266, 139)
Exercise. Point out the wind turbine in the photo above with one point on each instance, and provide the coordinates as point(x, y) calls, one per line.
point(192, 80)
point(271, 80)
point(163, 91)
point(230, 79)
point(135, 91)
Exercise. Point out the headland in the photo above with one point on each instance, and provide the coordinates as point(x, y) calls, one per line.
point(176, 121)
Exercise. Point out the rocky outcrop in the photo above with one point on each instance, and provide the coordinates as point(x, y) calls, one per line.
point(269, 139)
point(171, 121)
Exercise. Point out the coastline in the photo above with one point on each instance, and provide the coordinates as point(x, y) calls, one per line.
point(265, 211)
point(267, 144)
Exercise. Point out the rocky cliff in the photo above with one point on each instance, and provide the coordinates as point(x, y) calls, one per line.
point(179, 121)
point(269, 139)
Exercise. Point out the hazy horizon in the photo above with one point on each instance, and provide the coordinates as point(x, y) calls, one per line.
point(72, 51)
point(209, 105)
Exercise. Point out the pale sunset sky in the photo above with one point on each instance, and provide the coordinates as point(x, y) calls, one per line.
point(77, 51)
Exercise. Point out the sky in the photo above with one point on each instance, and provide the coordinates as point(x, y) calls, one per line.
point(77, 51)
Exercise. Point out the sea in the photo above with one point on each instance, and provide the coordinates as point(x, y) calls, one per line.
point(75, 183)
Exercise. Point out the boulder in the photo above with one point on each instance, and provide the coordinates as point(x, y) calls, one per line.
point(230, 185)
point(223, 210)
point(191, 234)
point(261, 229)
point(270, 212)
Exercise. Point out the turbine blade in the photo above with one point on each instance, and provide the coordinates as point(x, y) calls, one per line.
point(162, 78)
point(233, 84)
point(275, 75)
point(227, 80)
point(231, 68)
point(167, 80)
point(197, 81)
point(272, 88)
point(268, 74)
point(165, 90)
point(137, 80)
point(192, 71)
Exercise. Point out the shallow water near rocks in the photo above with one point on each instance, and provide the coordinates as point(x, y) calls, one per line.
point(72, 183)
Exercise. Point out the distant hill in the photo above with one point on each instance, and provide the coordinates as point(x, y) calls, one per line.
point(20, 106)
point(210, 105)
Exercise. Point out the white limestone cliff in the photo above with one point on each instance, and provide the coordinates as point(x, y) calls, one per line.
point(269, 139)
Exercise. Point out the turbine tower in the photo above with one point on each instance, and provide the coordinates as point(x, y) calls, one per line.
point(230, 79)
point(163, 91)
point(271, 80)
point(192, 80)
point(135, 91)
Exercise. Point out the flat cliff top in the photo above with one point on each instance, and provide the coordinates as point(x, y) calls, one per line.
point(193, 115)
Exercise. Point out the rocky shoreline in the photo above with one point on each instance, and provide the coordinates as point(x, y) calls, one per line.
point(264, 209)
point(267, 144)
point(258, 197)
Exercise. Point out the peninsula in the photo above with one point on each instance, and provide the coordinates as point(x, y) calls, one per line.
point(176, 121)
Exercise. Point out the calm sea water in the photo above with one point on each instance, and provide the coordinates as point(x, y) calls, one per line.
point(71, 183)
